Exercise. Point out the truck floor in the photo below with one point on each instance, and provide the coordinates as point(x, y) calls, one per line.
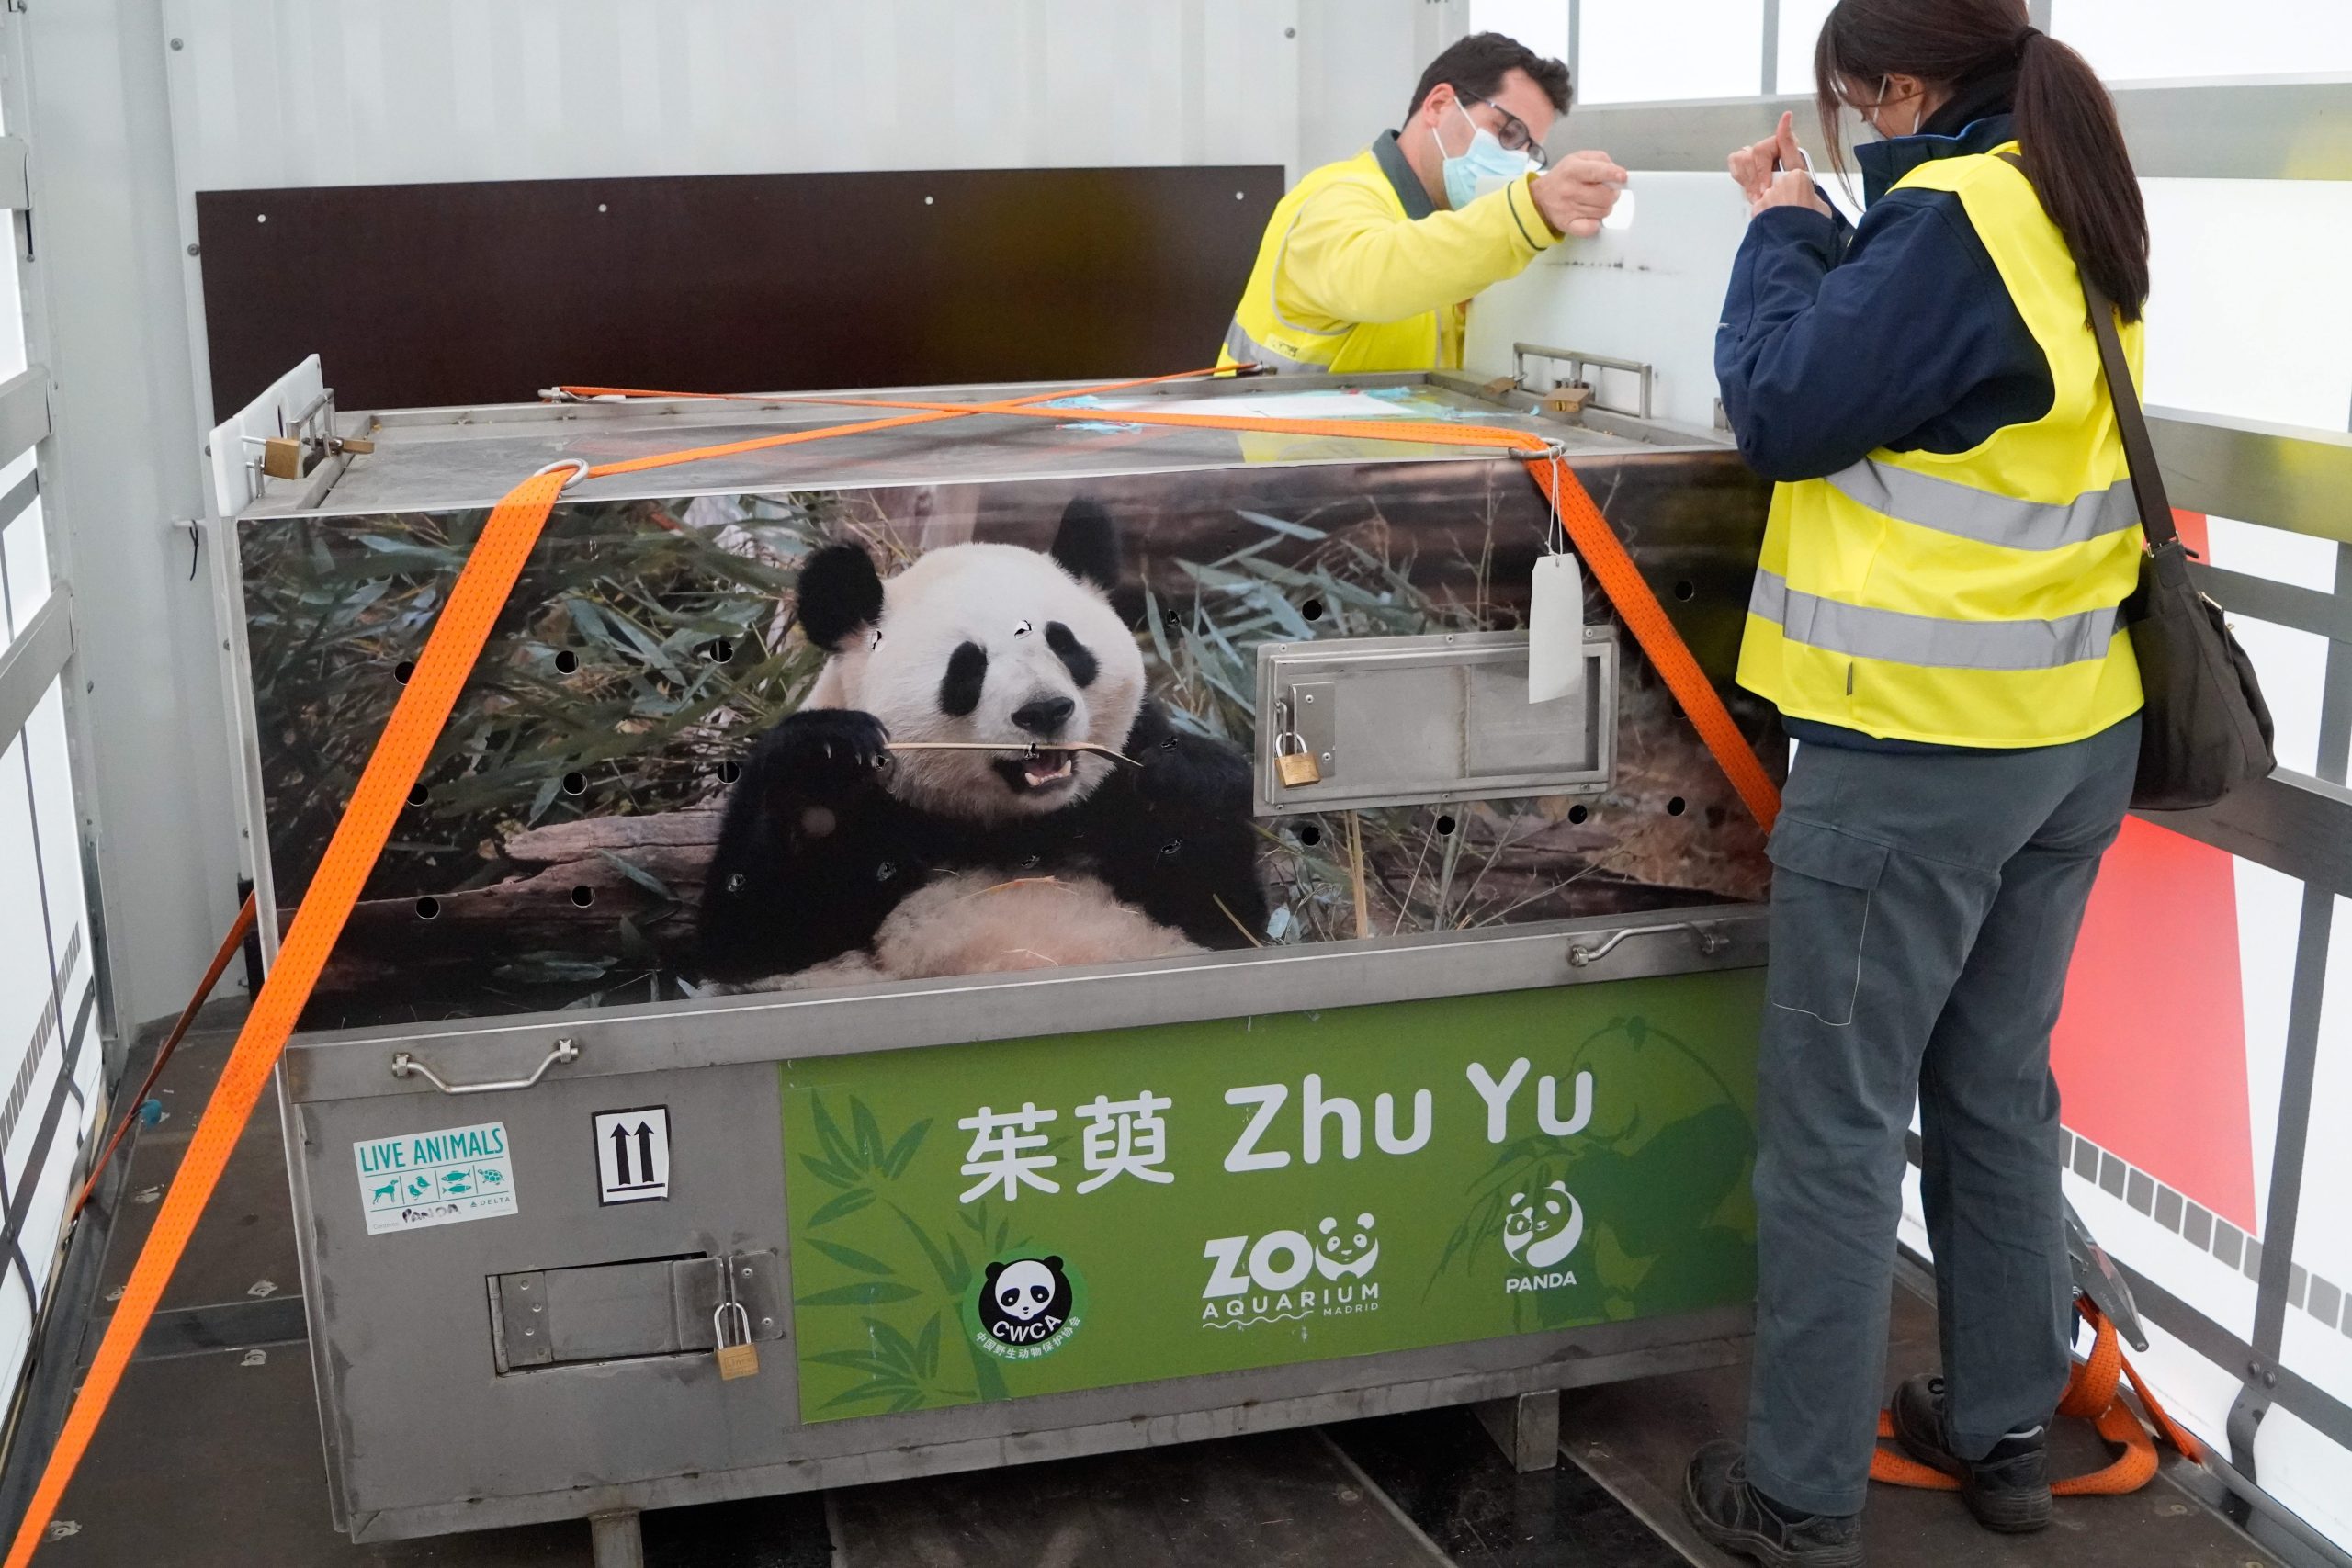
point(211, 1457)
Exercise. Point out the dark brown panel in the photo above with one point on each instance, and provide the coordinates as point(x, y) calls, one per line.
point(422, 295)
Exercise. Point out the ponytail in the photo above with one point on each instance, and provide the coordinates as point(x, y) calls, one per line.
point(2067, 128)
point(2074, 155)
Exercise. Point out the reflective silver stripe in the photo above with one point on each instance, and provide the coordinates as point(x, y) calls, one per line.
point(1244, 348)
point(1902, 639)
point(1972, 513)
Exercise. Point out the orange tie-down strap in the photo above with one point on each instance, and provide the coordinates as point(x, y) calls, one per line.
point(456, 642)
point(2092, 1394)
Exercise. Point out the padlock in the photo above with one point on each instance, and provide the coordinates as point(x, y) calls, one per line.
point(1295, 768)
point(281, 457)
point(739, 1360)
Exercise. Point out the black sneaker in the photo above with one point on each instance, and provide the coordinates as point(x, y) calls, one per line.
point(2007, 1490)
point(1734, 1516)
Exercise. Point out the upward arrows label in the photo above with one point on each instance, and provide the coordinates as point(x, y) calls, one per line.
point(632, 1155)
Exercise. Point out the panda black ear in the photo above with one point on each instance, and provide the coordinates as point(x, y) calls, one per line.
point(992, 1270)
point(1087, 544)
point(840, 592)
point(1052, 1263)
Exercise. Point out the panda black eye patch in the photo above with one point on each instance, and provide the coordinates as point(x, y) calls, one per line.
point(959, 690)
point(1072, 653)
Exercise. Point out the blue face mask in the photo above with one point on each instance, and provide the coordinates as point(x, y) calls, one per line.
point(1482, 166)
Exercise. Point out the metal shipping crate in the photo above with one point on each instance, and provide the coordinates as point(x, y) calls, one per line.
point(1461, 1110)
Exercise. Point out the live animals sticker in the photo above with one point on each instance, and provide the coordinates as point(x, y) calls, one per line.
point(1556, 657)
point(434, 1179)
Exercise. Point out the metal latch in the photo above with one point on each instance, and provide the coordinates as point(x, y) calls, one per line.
point(1570, 394)
point(661, 1306)
point(308, 440)
point(1409, 720)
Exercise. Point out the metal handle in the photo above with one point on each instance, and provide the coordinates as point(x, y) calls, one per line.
point(1712, 941)
point(1578, 362)
point(404, 1065)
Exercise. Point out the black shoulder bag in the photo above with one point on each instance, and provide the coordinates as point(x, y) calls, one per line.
point(2205, 729)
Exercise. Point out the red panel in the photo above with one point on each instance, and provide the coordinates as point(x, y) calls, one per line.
point(2149, 1049)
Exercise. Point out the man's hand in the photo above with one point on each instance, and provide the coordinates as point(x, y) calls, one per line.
point(1575, 194)
point(1776, 173)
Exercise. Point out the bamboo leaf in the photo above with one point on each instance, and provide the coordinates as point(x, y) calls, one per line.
point(869, 1293)
point(1293, 530)
point(894, 1163)
point(849, 1257)
point(873, 1388)
point(927, 1348)
point(829, 1130)
point(893, 1346)
point(643, 877)
point(848, 1203)
point(955, 1273)
point(832, 1174)
point(868, 1132)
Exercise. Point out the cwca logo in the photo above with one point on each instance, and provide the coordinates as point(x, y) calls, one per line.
point(1027, 1308)
point(1286, 1275)
point(1539, 1233)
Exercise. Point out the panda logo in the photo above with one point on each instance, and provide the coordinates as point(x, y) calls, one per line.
point(1542, 1231)
point(1025, 1302)
point(1346, 1253)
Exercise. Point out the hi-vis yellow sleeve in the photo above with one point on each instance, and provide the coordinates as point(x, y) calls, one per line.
point(1350, 258)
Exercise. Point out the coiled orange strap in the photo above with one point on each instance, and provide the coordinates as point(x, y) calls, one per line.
point(2092, 1394)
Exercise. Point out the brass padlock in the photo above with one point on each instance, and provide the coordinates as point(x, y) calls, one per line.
point(281, 457)
point(738, 1360)
point(1295, 768)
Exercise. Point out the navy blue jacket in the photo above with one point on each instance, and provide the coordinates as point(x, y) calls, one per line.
point(1896, 332)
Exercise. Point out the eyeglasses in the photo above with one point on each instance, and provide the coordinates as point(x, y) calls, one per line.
point(1513, 133)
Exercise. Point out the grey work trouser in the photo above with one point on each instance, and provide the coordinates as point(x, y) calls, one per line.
point(1924, 908)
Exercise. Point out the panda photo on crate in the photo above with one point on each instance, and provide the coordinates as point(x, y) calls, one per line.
point(840, 858)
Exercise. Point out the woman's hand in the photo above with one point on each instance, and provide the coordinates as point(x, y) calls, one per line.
point(1793, 187)
point(1776, 173)
point(1752, 166)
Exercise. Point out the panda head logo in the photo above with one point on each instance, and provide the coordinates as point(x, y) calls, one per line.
point(989, 643)
point(1024, 1301)
point(1344, 1251)
point(1541, 1231)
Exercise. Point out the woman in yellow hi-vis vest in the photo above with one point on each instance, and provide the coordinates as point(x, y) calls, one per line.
point(1368, 264)
point(1936, 614)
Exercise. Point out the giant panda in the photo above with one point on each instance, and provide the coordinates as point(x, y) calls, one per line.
point(840, 859)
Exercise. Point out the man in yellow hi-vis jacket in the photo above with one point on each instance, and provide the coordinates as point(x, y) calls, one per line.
point(1369, 264)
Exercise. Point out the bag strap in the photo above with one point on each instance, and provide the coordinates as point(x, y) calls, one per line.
point(2131, 423)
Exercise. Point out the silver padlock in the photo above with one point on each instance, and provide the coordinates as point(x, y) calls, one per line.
point(736, 1360)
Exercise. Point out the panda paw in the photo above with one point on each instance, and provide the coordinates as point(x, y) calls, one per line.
point(826, 753)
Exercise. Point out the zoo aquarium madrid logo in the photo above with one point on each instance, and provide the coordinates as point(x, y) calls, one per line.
point(1539, 1233)
point(1285, 1275)
point(1027, 1307)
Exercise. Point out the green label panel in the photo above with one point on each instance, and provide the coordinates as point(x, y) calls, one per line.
point(1075, 1212)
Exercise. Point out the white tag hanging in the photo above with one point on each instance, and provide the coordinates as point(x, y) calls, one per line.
point(1555, 630)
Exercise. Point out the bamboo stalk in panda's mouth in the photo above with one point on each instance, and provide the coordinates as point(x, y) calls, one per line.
point(1026, 747)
